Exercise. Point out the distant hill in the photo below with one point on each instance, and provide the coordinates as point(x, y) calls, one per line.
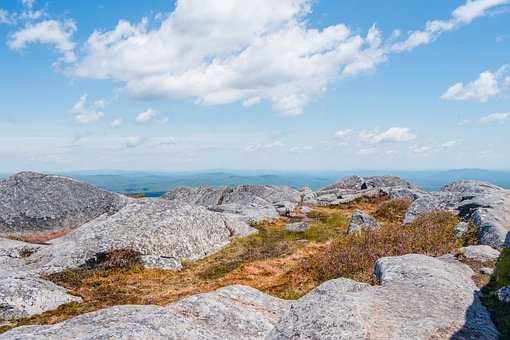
point(157, 183)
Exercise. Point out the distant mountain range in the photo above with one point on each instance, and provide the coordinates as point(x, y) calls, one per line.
point(157, 183)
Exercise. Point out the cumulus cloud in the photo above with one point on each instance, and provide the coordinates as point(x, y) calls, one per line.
point(495, 118)
point(52, 32)
point(489, 84)
point(462, 15)
point(87, 114)
point(146, 116)
point(394, 134)
point(116, 122)
point(343, 133)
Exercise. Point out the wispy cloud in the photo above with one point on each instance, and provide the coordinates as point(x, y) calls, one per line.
point(87, 114)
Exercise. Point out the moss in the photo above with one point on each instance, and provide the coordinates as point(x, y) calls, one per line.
point(500, 312)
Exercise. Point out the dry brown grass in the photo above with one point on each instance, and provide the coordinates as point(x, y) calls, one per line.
point(392, 211)
point(39, 238)
point(278, 262)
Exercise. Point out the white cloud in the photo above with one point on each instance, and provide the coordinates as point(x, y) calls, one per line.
point(5, 17)
point(28, 3)
point(462, 15)
point(146, 116)
point(394, 134)
point(134, 141)
point(86, 114)
point(495, 118)
point(261, 146)
point(51, 32)
point(450, 144)
point(489, 84)
point(343, 133)
point(116, 122)
point(420, 149)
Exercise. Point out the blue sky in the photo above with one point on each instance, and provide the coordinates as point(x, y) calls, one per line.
point(293, 84)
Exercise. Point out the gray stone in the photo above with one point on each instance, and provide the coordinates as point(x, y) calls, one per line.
point(503, 294)
point(432, 202)
point(362, 221)
point(297, 226)
point(419, 298)
point(460, 229)
point(481, 253)
point(375, 182)
point(33, 203)
point(250, 202)
point(22, 296)
point(305, 210)
point(164, 232)
point(234, 312)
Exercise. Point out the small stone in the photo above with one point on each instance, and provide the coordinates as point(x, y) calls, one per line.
point(297, 227)
point(305, 210)
point(461, 229)
point(503, 294)
point(362, 221)
point(480, 253)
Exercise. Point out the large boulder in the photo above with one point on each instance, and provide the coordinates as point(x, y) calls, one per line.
point(486, 205)
point(32, 203)
point(251, 202)
point(162, 231)
point(234, 312)
point(419, 297)
point(480, 253)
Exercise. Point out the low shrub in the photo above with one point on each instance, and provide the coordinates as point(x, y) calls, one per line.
point(393, 210)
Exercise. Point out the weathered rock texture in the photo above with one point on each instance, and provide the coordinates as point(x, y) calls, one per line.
point(361, 221)
point(235, 312)
point(163, 232)
point(480, 253)
point(419, 298)
point(354, 187)
point(486, 205)
point(32, 202)
point(250, 202)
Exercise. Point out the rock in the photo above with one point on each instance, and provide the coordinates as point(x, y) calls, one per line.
point(460, 229)
point(163, 232)
point(419, 298)
point(250, 202)
point(487, 271)
point(480, 253)
point(22, 296)
point(34, 203)
point(305, 210)
point(297, 227)
point(362, 221)
point(237, 226)
point(375, 182)
point(234, 312)
point(503, 294)
point(432, 202)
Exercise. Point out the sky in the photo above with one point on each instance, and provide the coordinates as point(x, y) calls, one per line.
point(276, 85)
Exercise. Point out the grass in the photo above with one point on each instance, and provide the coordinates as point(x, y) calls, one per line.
point(279, 262)
point(393, 210)
point(500, 312)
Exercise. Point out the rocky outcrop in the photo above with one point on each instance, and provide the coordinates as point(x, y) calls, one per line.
point(163, 232)
point(32, 203)
point(250, 202)
point(355, 187)
point(419, 298)
point(235, 312)
point(480, 253)
point(484, 204)
point(22, 296)
point(361, 221)
point(297, 227)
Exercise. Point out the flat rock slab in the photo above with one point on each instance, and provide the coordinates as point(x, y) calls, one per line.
point(163, 232)
point(22, 296)
point(480, 253)
point(419, 298)
point(34, 203)
point(234, 312)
